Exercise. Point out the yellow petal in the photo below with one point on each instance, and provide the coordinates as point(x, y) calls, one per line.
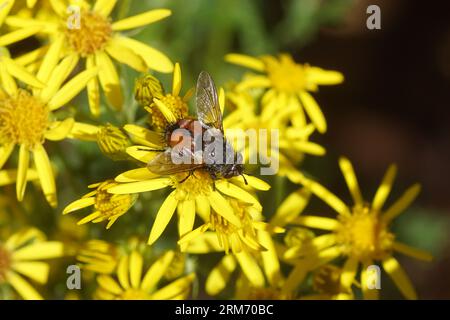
point(168, 114)
point(350, 179)
point(51, 59)
point(109, 80)
point(253, 82)
point(45, 173)
point(156, 271)
point(349, 272)
point(122, 272)
point(271, 264)
point(400, 278)
point(324, 194)
point(18, 35)
point(84, 131)
point(307, 147)
point(163, 217)
point(21, 73)
point(141, 153)
point(58, 76)
point(136, 263)
point(222, 207)
point(234, 191)
point(60, 7)
point(93, 89)
point(291, 207)
point(295, 278)
point(176, 81)
point(412, 252)
point(93, 216)
point(245, 61)
point(186, 218)
point(324, 77)
point(79, 204)
point(104, 7)
point(317, 222)
point(250, 268)
point(125, 56)
point(140, 186)
point(109, 284)
point(219, 276)
point(39, 251)
point(32, 56)
point(384, 188)
point(59, 130)
point(4, 10)
point(38, 271)
point(24, 160)
point(313, 111)
point(7, 82)
point(144, 136)
point(402, 203)
point(141, 19)
point(71, 89)
point(5, 152)
point(23, 288)
point(174, 289)
point(204, 243)
point(135, 175)
point(153, 58)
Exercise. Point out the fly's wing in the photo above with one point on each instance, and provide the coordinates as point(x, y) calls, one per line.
point(163, 163)
point(207, 101)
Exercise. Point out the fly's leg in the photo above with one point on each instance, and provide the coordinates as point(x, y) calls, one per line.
point(191, 173)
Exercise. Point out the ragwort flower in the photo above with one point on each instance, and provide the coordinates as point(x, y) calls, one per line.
point(360, 233)
point(288, 84)
point(20, 256)
point(92, 36)
point(132, 285)
point(27, 120)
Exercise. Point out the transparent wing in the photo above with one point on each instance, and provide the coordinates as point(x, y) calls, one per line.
point(208, 108)
point(168, 162)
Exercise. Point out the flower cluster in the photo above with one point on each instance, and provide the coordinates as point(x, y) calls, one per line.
point(270, 249)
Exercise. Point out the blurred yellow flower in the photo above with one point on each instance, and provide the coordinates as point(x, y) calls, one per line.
point(20, 256)
point(107, 207)
point(229, 236)
point(288, 84)
point(99, 256)
point(360, 233)
point(132, 285)
point(291, 144)
point(27, 120)
point(87, 32)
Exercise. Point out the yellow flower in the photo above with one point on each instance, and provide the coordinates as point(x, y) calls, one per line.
point(27, 120)
point(326, 282)
point(360, 233)
point(292, 141)
point(131, 285)
point(91, 35)
point(99, 256)
point(107, 206)
point(256, 266)
point(229, 236)
point(288, 84)
point(20, 255)
point(156, 101)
